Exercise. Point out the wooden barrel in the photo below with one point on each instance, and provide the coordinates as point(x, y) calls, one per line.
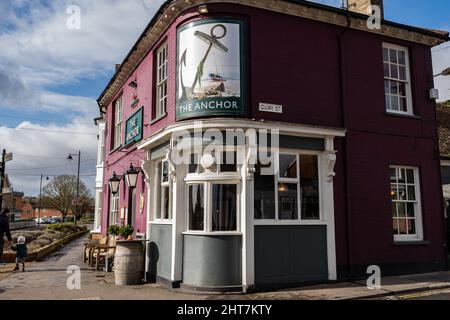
point(129, 263)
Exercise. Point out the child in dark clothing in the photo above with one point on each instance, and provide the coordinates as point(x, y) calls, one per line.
point(22, 253)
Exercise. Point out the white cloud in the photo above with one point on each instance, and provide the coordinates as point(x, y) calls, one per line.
point(45, 152)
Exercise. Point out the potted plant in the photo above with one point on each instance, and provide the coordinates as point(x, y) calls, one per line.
point(126, 232)
point(114, 230)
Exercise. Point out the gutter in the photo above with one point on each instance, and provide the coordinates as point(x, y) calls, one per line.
point(345, 144)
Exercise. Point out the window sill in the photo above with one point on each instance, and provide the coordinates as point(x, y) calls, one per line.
point(411, 243)
point(162, 222)
point(218, 233)
point(158, 119)
point(116, 149)
point(403, 115)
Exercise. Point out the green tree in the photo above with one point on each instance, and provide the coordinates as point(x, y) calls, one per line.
point(61, 192)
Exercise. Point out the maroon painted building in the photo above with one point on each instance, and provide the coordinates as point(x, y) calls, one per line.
point(357, 174)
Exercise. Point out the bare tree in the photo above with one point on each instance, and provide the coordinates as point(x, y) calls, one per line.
point(60, 193)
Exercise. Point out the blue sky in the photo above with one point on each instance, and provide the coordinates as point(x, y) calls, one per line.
point(51, 76)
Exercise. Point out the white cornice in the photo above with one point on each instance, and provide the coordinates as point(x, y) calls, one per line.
point(327, 16)
point(230, 123)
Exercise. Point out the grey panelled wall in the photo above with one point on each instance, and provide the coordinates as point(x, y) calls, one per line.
point(290, 254)
point(212, 260)
point(160, 251)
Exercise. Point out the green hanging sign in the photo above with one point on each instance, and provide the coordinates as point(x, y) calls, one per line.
point(134, 126)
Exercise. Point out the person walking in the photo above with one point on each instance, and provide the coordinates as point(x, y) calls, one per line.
point(4, 230)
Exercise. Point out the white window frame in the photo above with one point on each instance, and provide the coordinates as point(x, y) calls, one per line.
point(161, 80)
point(409, 101)
point(417, 208)
point(218, 179)
point(117, 122)
point(114, 211)
point(157, 196)
point(299, 220)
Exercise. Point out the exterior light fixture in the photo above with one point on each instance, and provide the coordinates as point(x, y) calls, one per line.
point(131, 176)
point(133, 84)
point(114, 183)
point(203, 9)
point(282, 188)
point(444, 73)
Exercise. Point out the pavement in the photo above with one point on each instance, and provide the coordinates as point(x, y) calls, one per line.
point(47, 280)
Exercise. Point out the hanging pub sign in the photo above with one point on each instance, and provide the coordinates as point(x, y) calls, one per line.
point(210, 69)
point(133, 128)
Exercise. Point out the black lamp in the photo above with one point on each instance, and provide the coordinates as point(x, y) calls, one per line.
point(131, 176)
point(114, 183)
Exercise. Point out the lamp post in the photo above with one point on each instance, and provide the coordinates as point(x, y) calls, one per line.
point(77, 203)
point(40, 200)
point(444, 73)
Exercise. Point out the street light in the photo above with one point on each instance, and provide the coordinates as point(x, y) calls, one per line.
point(131, 176)
point(444, 73)
point(40, 202)
point(70, 158)
point(114, 183)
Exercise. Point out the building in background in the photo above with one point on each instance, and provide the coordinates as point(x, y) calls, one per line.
point(356, 179)
point(101, 124)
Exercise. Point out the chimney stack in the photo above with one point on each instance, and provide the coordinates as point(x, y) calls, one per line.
point(363, 6)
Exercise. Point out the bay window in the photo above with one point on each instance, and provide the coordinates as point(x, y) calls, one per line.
point(405, 200)
point(292, 193)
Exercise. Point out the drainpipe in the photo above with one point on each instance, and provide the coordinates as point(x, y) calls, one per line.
point(346, 152)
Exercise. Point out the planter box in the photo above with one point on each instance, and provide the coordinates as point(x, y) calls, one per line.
point(45, 251)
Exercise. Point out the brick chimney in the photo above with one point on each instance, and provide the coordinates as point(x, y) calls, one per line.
point(362, 6)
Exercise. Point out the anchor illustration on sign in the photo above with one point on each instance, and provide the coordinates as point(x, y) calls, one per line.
point(213, 41)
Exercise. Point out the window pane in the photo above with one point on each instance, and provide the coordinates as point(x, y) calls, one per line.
point(196, 207)
point(410, 211)
point(264, 203)
point(402, 192)
point(394, 194)
point(393, 55)
point(386, 54)
point(410, 176)
point(309, 184)
point(224, 207)
point(387, 86)
point(403, 105)
point(395, 226)
point(411, 226)
point(165, 171)
point(394, 103)
point(288, 166)
point(402, 73)
point(401, 210)
point(402, 226)
point(402, 57)
point(287, 201)
point(166, 205)
point(193, 164)
point(394, 71)
point(394, 210)
point(394, 87)
point(411, 193)
point(387, 73)
point(228, 162)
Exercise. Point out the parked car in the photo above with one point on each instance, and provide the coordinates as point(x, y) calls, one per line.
point(40, 220)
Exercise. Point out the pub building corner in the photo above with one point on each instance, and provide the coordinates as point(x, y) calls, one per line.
point(356, 180)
